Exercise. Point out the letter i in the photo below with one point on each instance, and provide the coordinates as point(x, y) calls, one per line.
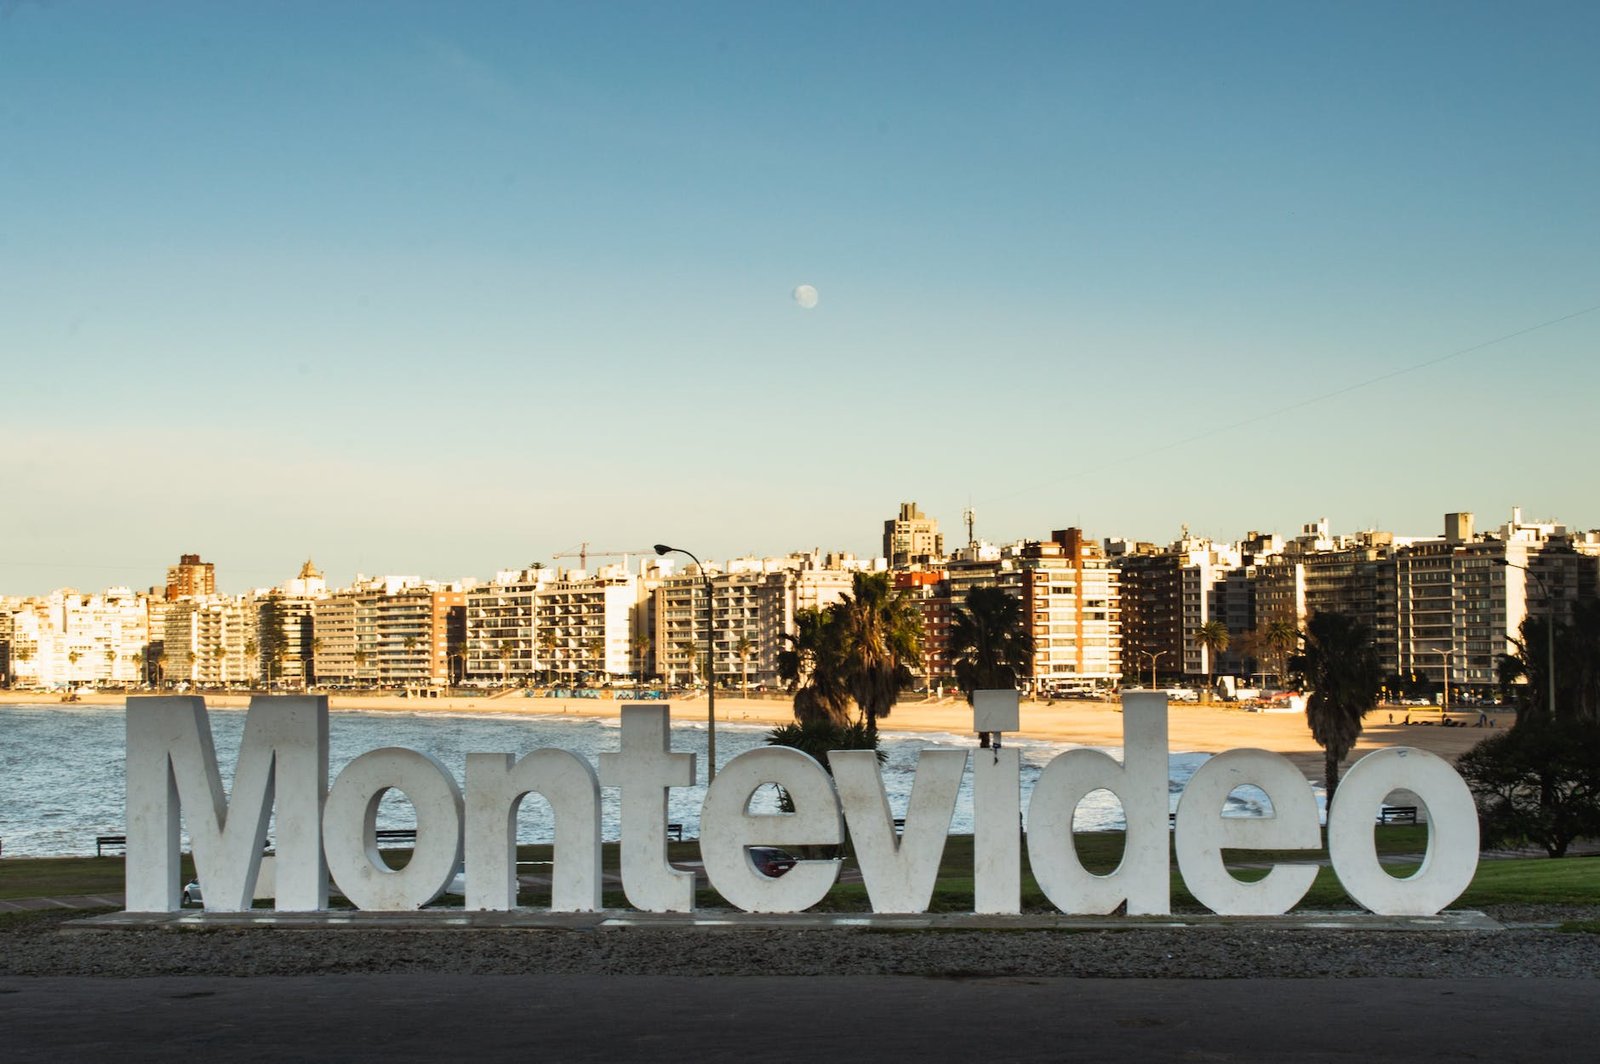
point(997, 830)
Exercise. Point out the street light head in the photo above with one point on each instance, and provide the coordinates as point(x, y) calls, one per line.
point(662, 548)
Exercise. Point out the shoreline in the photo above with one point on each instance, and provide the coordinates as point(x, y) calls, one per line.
point(1198, 728)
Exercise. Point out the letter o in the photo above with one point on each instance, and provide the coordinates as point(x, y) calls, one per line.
point(350, 821)
point(1452, 855)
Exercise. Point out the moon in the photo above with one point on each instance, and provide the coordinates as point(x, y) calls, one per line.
point(805, 296)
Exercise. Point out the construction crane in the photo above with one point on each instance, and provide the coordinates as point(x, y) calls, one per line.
point(582, 552)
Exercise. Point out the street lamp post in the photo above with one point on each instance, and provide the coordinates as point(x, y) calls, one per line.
point(711, 665)
point(1444, 699)
point(1152, 657)
point(1549, 634)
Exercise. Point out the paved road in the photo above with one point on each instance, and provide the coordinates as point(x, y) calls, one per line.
point(395, 1018)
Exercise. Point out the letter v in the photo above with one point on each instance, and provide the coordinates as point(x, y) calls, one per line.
point(900, 871)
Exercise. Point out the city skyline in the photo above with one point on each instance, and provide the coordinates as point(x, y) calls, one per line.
point(408, 289)
point(569, 559)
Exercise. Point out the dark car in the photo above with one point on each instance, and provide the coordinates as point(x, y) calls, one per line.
point(771, 861)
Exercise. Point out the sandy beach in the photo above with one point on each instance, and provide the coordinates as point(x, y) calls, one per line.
point(1204, 728)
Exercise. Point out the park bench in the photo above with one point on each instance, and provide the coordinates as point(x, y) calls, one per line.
point(383, 835)
point(101, 842)
point(1398, 814)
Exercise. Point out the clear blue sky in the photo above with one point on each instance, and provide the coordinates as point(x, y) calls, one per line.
point(438, 289)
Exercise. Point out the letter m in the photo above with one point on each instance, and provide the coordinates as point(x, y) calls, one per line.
point(172, 763)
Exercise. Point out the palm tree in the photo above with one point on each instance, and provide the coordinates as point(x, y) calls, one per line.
point(812, 666)
point(547, 642)
point(1280, 637)
point(596, 645)
point(642, 646)
point(73, 657)
point(689, 647)
point(111, 666)
point(507, 650)
point(316, 648)
point(882, 634)
point(1339, 666)
point(1213, 635)
point(990, 643)
point(744, 648)
point(251, 662)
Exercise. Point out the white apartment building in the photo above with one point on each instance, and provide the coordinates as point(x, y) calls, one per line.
point(210, 641)
point(1073, 600)
point(502, 636)
point(67, 639)
point(585, 625)
point(382, 632)
point(753, 606)
point(1449, 608)
point(1202, 582)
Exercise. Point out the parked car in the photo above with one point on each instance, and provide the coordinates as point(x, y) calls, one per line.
point(771, 861)
point(191, 894)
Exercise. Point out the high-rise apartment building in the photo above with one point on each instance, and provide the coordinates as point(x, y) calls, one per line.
point(285, 631)
point(210, 641)
point(912, 538)
point(503, 642)
point(753, 605)
point(391, 631)
point(191, 578)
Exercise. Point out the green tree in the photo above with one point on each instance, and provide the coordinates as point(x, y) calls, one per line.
point(816, 737)
point(1538, 782)
point(1213, 635)
point(1280, 637)
point(1523, 674)
point(990, 643)
point(1339, 667)
point(882, 635)
point(811, 665)
point(642, 646)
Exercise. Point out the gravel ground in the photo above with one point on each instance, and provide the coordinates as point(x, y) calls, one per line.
point(1529, 947)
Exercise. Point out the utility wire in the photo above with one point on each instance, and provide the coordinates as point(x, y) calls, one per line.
point(1298, 405)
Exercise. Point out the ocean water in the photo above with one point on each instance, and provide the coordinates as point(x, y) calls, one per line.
point(61, 767)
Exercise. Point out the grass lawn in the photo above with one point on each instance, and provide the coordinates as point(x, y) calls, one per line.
point(1569, 881)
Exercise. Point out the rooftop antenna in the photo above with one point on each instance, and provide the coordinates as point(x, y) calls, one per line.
point(970, 516)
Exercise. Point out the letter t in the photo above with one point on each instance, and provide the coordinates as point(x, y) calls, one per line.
point(643, 770)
